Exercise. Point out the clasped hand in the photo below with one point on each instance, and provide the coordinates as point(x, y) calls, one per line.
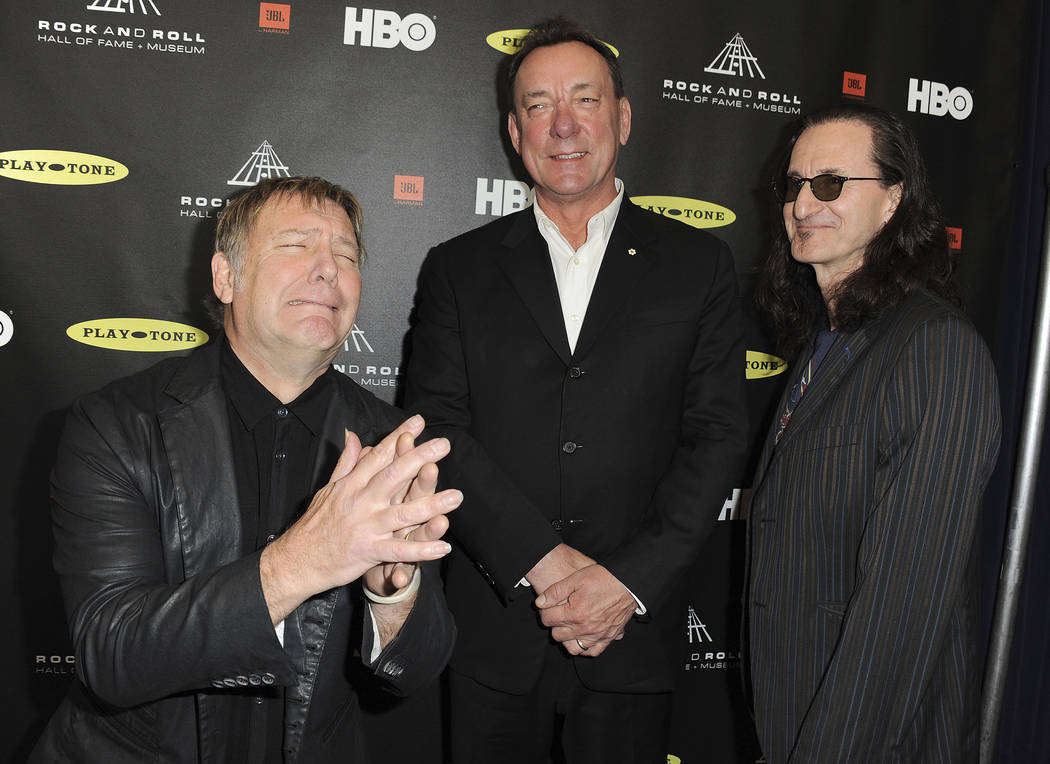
point(586, 609)
point(378, 515)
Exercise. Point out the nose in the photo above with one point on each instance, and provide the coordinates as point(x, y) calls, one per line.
point(325, 267)
point(806, 203)
point(564, 124)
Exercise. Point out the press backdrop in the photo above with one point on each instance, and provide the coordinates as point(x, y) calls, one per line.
point(126, 124)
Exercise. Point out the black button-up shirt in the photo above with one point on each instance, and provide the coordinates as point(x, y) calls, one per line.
point(274, 452)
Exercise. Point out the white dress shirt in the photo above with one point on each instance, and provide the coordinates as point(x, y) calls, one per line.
point(575, 271)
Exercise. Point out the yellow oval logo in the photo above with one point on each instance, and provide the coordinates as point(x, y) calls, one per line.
point(60, 168)
point(138, 334)
point(509, 40)
point(762, 365)
point(698, 214)
point(672, 759)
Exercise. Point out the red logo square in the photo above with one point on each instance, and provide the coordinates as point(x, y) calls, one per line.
point(854, 84)
point(275, 16)
point(954, 237)
point(408, 187)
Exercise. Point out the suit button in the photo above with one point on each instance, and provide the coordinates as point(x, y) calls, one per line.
point(569, 447)
point(575, 372)
point(268, 678)
point(230, 682)
point(242, 681)
point(556, 525)
point(255, 679)
point(217, 683)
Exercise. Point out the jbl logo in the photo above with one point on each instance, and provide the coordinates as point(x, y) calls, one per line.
point(854, 84)
point(274, 15)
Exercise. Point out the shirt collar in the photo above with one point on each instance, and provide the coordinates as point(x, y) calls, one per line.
point(601, 222)
point(253, 402)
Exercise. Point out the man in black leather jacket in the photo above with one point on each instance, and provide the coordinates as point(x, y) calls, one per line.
point(211, 513)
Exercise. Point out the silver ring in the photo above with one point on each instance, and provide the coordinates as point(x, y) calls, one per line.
point(582, 646)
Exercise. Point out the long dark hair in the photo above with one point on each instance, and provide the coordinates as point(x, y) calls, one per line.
point(909, 253)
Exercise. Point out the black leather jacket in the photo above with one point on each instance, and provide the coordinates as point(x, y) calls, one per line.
point(167, 620)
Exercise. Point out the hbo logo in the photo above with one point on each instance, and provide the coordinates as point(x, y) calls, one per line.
point(936, 99)
point(385, 29)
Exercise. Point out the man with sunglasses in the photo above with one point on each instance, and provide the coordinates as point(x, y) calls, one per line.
point(862, 595)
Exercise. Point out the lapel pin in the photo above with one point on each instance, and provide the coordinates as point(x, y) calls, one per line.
point(632, 251)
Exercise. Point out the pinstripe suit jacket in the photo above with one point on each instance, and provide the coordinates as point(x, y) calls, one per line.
point(862, 601)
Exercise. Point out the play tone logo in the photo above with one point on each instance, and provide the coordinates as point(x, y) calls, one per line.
point(275, 17)
point(694, 212)
point(137, 334)
point(509, 41)
point(60, 168)
point(762, 365)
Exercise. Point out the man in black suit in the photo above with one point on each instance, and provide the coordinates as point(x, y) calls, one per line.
point(585, 358)
point(205, 554)
point(863, 629)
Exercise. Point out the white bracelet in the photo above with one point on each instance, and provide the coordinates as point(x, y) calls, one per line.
point(404, 594)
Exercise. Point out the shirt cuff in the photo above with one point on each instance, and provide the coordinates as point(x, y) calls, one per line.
point(376, 647)
point(640, 610)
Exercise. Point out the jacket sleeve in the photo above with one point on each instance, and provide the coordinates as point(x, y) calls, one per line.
point(141, 631)
point(437, 385)
point(710, 455)
point(938, 437)
point(423, 645)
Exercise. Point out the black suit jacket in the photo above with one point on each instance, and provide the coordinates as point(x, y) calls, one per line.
point(863, 601)
point(168, 619)
point(624, 449)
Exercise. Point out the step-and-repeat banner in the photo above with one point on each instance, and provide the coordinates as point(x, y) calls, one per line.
point(127, 123)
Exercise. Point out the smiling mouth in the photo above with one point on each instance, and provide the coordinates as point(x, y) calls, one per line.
point(311, 302)
point(574, 155)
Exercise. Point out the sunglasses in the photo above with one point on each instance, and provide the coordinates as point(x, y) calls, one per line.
point(825, 187)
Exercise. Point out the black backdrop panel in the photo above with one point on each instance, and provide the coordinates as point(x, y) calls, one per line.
point(400, 103)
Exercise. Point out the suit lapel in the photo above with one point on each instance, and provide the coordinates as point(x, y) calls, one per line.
point(840, 359)
point(844, 353)
point(627, 258)
point(196, 439)
point(526, 262)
